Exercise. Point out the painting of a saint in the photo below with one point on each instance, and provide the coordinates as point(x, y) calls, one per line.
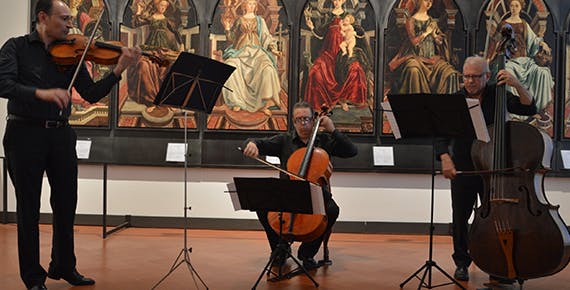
point(337, 61)
point(418, 49)
point(157, 27)
point(249, 35)
point(531, 61)
point(85, 14)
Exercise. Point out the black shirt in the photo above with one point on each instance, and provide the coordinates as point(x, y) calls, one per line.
point(462, 146)
point(25, 65)
point(284, 144)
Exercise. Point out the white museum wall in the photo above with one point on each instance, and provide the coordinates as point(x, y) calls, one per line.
point(158, 191)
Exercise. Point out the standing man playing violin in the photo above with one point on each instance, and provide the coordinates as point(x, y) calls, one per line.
point(283, 145)
point(39, 139)
point(464, 188)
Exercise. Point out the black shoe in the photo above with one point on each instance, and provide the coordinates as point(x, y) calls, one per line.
point(309, 263)
point(73, 278)
point(461, 274)
point(38, 287)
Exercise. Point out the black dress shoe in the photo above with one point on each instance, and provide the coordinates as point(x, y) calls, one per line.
point(73, 278)
point(309, 263)
point(461, 274)
point(38, 287)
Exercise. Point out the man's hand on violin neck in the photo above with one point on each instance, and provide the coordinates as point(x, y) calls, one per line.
point(129, 56)
point(59, 96)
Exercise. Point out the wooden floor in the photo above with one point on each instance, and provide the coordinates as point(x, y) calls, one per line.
point(137, 258)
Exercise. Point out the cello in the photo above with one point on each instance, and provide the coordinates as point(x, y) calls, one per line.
point(516, 232)
point(312, 164)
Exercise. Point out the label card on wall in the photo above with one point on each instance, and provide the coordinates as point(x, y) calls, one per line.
point(83, 148)
point(565, 158)
point(175, 152)
point(383, 155)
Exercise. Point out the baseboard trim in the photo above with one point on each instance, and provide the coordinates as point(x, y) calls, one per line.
point(246, 224)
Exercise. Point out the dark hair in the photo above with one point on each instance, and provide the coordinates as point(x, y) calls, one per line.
point(43, 6)
point(303, 105)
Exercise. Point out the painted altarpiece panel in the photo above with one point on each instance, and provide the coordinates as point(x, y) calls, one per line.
point(337, 61)
point(424, 49)
point(85, 14)
point(532, 62)
point(252, 36)
point(163, 28)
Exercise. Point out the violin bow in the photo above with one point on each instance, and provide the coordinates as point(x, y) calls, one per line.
point(275, 167)
point(91, 37)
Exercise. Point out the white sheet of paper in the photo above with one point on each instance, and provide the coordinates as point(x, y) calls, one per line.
point(317, 199)
point(175, 152)
point(391, 119)
point(565, 158)
point(273, 160)
point(234, 196)
point(83, 148)
point(383, 155)
point(478, 120)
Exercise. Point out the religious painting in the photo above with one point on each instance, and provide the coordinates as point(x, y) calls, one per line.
point(567, 99)
point(163, 29)
point(253, 37)
point(424, 49)
point(85, 15)
point(337, 61)
point(532, 61)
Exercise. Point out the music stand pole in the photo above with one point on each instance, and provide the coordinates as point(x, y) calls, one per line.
point(185, 250)
point(427, 267)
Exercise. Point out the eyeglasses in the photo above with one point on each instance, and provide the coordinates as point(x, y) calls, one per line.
point(303, 120)
point(473, 77)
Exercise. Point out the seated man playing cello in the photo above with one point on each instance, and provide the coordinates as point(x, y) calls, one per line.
point(283, 146)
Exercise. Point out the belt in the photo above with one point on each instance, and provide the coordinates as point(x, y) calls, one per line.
point(38, 122)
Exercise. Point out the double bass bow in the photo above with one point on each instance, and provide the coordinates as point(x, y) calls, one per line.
point(516, 232)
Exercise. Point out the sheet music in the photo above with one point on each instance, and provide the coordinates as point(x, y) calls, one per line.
point(234, 196)
point(478, 120)
point(391, 119)
point(565, 154)
point(317, 199)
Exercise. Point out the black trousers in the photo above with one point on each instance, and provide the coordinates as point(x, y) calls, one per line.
point(464, 190)
point(306, 249)
point(30, 151)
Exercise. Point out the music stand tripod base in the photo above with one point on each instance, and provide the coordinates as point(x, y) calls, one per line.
point(192, 82)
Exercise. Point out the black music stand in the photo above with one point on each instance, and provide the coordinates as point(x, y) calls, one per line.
point(280, 195)
point(433, 116)
point(193, 82)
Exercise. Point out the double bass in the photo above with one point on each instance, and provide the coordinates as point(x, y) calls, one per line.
point(516, 232)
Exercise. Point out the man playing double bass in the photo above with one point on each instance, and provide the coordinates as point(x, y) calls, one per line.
point(283, 145)
point(464, 188)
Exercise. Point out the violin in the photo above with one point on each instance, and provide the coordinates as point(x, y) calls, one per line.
point(70, 50)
